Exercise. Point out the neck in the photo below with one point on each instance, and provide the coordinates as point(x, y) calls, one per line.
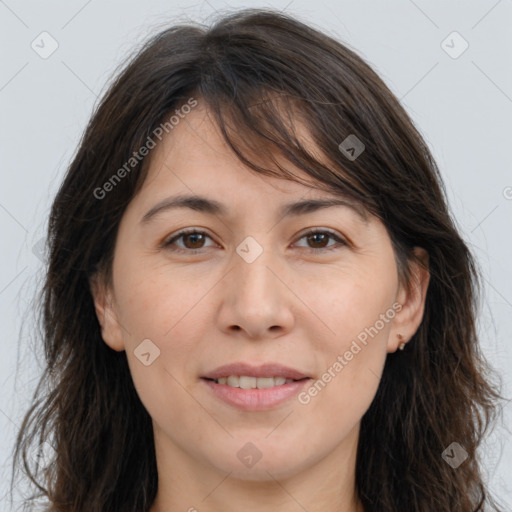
point(186, 485)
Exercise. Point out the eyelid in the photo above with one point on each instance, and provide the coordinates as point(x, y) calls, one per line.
point(186, 231)
point(341, 241)
point(338, 237)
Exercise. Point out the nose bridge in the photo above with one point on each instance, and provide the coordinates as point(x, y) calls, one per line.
point(256, 295)
point(254, 299)
point(254, 280)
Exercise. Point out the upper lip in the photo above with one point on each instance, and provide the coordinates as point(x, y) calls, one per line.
point(264, 370)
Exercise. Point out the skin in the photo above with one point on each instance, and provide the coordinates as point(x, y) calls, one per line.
point(291, 305)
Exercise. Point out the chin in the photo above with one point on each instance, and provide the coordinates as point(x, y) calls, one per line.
point(267, 464)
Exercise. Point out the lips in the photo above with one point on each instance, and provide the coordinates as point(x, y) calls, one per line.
point(265, 370)
point(253, 400)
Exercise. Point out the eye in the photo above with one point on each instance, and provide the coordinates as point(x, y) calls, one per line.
point(319, 237)
point(194, 240)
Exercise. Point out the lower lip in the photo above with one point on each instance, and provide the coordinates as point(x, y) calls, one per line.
point(256, 399)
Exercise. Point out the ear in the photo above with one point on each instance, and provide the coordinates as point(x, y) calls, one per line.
point(105, 311)
point(412, 299)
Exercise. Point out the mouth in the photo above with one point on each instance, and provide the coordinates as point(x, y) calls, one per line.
point(252, 399)
point(255, 388)
point(246, 376)
point(249, 382)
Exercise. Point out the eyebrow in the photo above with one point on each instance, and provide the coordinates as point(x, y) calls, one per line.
point(213, 207)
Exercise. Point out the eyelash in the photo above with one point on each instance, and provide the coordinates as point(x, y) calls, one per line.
point(167, 244)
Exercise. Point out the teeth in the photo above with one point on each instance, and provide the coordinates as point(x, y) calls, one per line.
point(245, 382)
point(233, 381)
point(266, 382)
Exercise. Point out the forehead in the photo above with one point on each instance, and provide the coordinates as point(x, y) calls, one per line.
point(197, 134)
point(195, 162)
point(196, 143)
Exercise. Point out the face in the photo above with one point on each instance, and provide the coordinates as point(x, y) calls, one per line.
point(252, 287)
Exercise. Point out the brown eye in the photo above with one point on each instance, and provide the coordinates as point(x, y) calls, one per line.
point(317, 241)
point(196, 240)
point(192, 240)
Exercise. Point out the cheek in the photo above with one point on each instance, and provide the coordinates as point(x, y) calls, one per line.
point(163, 319)
point(352, 368)
point(352, 301)
point(170, 313)
point(359, 315)
point(156, 301)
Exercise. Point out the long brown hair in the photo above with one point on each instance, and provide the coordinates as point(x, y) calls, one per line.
point(258, 71)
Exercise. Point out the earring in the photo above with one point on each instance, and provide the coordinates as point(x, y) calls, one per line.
point(402, 344)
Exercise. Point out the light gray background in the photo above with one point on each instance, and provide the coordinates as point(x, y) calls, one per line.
point(462, 106)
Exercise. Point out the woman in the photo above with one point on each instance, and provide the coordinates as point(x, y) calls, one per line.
point(256, 297)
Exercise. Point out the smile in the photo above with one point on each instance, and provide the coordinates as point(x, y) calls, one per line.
point(247, 382)
point(252, 398)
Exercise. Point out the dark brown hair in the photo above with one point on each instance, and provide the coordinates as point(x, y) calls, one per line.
point(259, 71)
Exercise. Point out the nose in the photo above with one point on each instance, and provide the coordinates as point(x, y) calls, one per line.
point(256, 300)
